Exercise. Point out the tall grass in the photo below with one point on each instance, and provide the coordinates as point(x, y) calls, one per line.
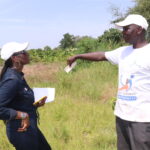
point(81, 117)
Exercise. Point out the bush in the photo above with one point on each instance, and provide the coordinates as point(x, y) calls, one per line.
point(87, 44)
point(111, 37)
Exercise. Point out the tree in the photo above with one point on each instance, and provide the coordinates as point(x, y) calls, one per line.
point(86, 44)
point(47, 48)
point(68, 41)
point(111, 36)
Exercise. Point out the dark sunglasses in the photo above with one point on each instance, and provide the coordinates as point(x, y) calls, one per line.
point(21, 52)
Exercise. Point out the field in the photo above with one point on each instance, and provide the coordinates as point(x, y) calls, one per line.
point(81, 117)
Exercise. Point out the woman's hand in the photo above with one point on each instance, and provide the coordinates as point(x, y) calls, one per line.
point(41, 102)
point(25, 122)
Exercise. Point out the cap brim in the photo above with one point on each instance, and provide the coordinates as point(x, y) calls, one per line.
point(122, 24)
point(23, 46)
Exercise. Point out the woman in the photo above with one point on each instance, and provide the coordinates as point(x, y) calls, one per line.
point(16, 101)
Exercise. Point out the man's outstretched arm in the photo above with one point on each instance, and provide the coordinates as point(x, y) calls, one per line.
point(94, 56)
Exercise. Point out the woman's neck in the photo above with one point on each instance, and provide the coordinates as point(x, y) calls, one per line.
point(18, 68)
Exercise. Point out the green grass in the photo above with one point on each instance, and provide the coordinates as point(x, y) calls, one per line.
point(70, 124)
point(81, 117)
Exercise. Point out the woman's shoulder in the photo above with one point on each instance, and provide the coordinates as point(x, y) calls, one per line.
point(10, 75)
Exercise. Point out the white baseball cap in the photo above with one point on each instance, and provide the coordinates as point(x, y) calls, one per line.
point(134, 19)
point(12, 47)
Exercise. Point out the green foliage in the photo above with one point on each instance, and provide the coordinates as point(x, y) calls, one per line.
point(47, 48)
point(68, 41)
point(87, 44)
point(1, 61)
point(111, 37)
point(141, 7)
point(38, 55)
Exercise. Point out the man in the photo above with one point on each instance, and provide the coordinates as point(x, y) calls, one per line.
point(132, 108)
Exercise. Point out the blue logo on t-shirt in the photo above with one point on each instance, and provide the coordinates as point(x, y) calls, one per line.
point(127, 98)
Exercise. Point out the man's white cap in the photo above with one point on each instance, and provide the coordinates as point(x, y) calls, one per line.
point(12, 47)
point(134, 19)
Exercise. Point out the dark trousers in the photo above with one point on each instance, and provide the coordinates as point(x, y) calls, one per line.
point(32, 139)
point(132, 135)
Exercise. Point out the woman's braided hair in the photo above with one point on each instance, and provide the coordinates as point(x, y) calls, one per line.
point(8, 63)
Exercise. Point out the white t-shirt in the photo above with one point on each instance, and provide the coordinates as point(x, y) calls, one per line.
point(133, 98)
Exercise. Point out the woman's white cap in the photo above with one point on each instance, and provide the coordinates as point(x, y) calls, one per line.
point(12, 47)
point(134, 19)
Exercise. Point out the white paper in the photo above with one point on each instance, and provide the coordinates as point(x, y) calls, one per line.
point(41, 92)
point(69, 68)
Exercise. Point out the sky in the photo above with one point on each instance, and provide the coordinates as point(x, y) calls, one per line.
point(44, 22)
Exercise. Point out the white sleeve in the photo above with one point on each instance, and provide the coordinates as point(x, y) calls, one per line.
point(113, 56)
